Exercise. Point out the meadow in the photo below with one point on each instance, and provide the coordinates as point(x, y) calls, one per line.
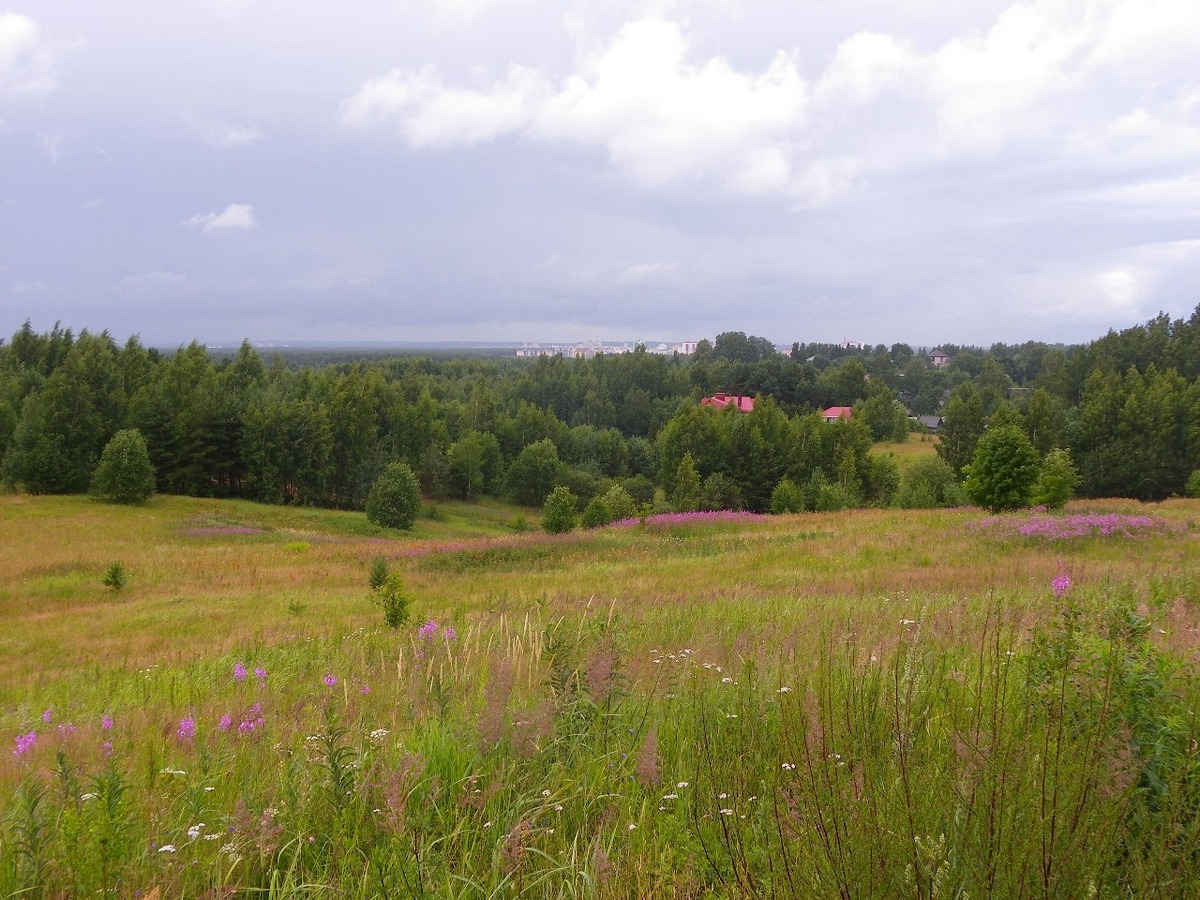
point(871, 703)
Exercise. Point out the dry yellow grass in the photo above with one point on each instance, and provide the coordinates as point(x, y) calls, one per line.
point(198, 587)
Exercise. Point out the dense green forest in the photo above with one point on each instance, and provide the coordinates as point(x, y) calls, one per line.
point(319, 431)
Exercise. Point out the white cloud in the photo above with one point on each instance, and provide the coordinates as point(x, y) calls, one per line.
point(52, 145)
point(235, 217)
point(661, 118)
point(26, 61)
point(224, 136)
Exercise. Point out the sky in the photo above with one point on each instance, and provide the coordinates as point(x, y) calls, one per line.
point(570, 170)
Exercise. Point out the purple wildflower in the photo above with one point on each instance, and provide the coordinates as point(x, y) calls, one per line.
point(24, 743)
point(187, 729)
point(106, 746)
point(47, 715)
point(66, 729)
point(427, 631)
point(239, 672)
point(366, 689)
point(226, 723)
point(329, 680)
point(106, 723)
point(1060, 584)
point(450, 634)
point(260, 673)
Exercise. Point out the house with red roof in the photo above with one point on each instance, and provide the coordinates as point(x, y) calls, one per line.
point(720, 401)
point(837, 412)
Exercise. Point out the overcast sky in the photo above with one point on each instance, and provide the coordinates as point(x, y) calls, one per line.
point(401, 170)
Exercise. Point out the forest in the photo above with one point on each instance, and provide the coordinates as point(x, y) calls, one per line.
point(318, 431)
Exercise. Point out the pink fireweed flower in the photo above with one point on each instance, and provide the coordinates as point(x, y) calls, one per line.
point(24, 744)
point(107, 748)
point(187, 729)
point(450, 634)
point(239, 672)
point(1060, 584)
point(226, 723)
point(66, 729)
point(260, 673)
point(427, 631)
point(106, 723)
point(366, 689)
point(48, 715)
point(329, 680)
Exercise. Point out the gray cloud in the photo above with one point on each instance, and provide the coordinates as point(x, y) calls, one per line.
point(531, 169)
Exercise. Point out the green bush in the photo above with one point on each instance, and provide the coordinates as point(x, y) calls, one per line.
point(619, 503)
point(395, 498)
point(1193, 484)
point(1057, 480)
point(391, 597)
point(787, 498)
point(1003, 471)
point(378, 573)
point(125, 473)
point(929, 483)
point(595, 514)
point(558, 514)
point(116, 577)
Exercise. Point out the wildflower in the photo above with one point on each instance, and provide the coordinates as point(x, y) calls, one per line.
point(260, 673)
point(329, 680)
point(66, 729)
point(727, 812)
point(789, 767)
point(88, 796)
point(365, 689)
point(24, 743)
point(1060, 584)
point(784, 690)
point(226, 723)
point(670, 796)
point(106, 723)
point(187, 729)
point(632, 827)
point(48, 715)
point(450, 634)
point(378, 735)
point(239, 672)
point(167, 848)
point(107, 747)
point(545, 793)
point(682, 784)
point(194, 831)
point(427, 631)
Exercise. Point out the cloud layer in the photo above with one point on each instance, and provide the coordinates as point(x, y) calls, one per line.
point(634, 168)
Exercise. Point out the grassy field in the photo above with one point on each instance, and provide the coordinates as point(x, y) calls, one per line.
point(870, 703)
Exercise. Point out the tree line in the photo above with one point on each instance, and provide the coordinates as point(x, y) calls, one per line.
point(1126, 407)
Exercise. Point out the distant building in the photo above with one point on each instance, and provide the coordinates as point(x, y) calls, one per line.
point(720, 401)
point(834, 413)
point(938, 359)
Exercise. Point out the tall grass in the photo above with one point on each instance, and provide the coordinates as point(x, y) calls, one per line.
point(676, 710)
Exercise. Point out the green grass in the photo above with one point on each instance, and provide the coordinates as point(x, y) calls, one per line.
point(872, 703)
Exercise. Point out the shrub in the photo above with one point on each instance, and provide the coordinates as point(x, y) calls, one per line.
point(929, 483)
point(395, 498)
point(125, 473)
point(391, 597)
point(558, 514)
point(378, 573)
point(1057, 480)
point(1193, 484)
point(1003, 470)
point(720, 492)
point(595, 514)
point(619, 503)
point(116, 577)
point(787, 498)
